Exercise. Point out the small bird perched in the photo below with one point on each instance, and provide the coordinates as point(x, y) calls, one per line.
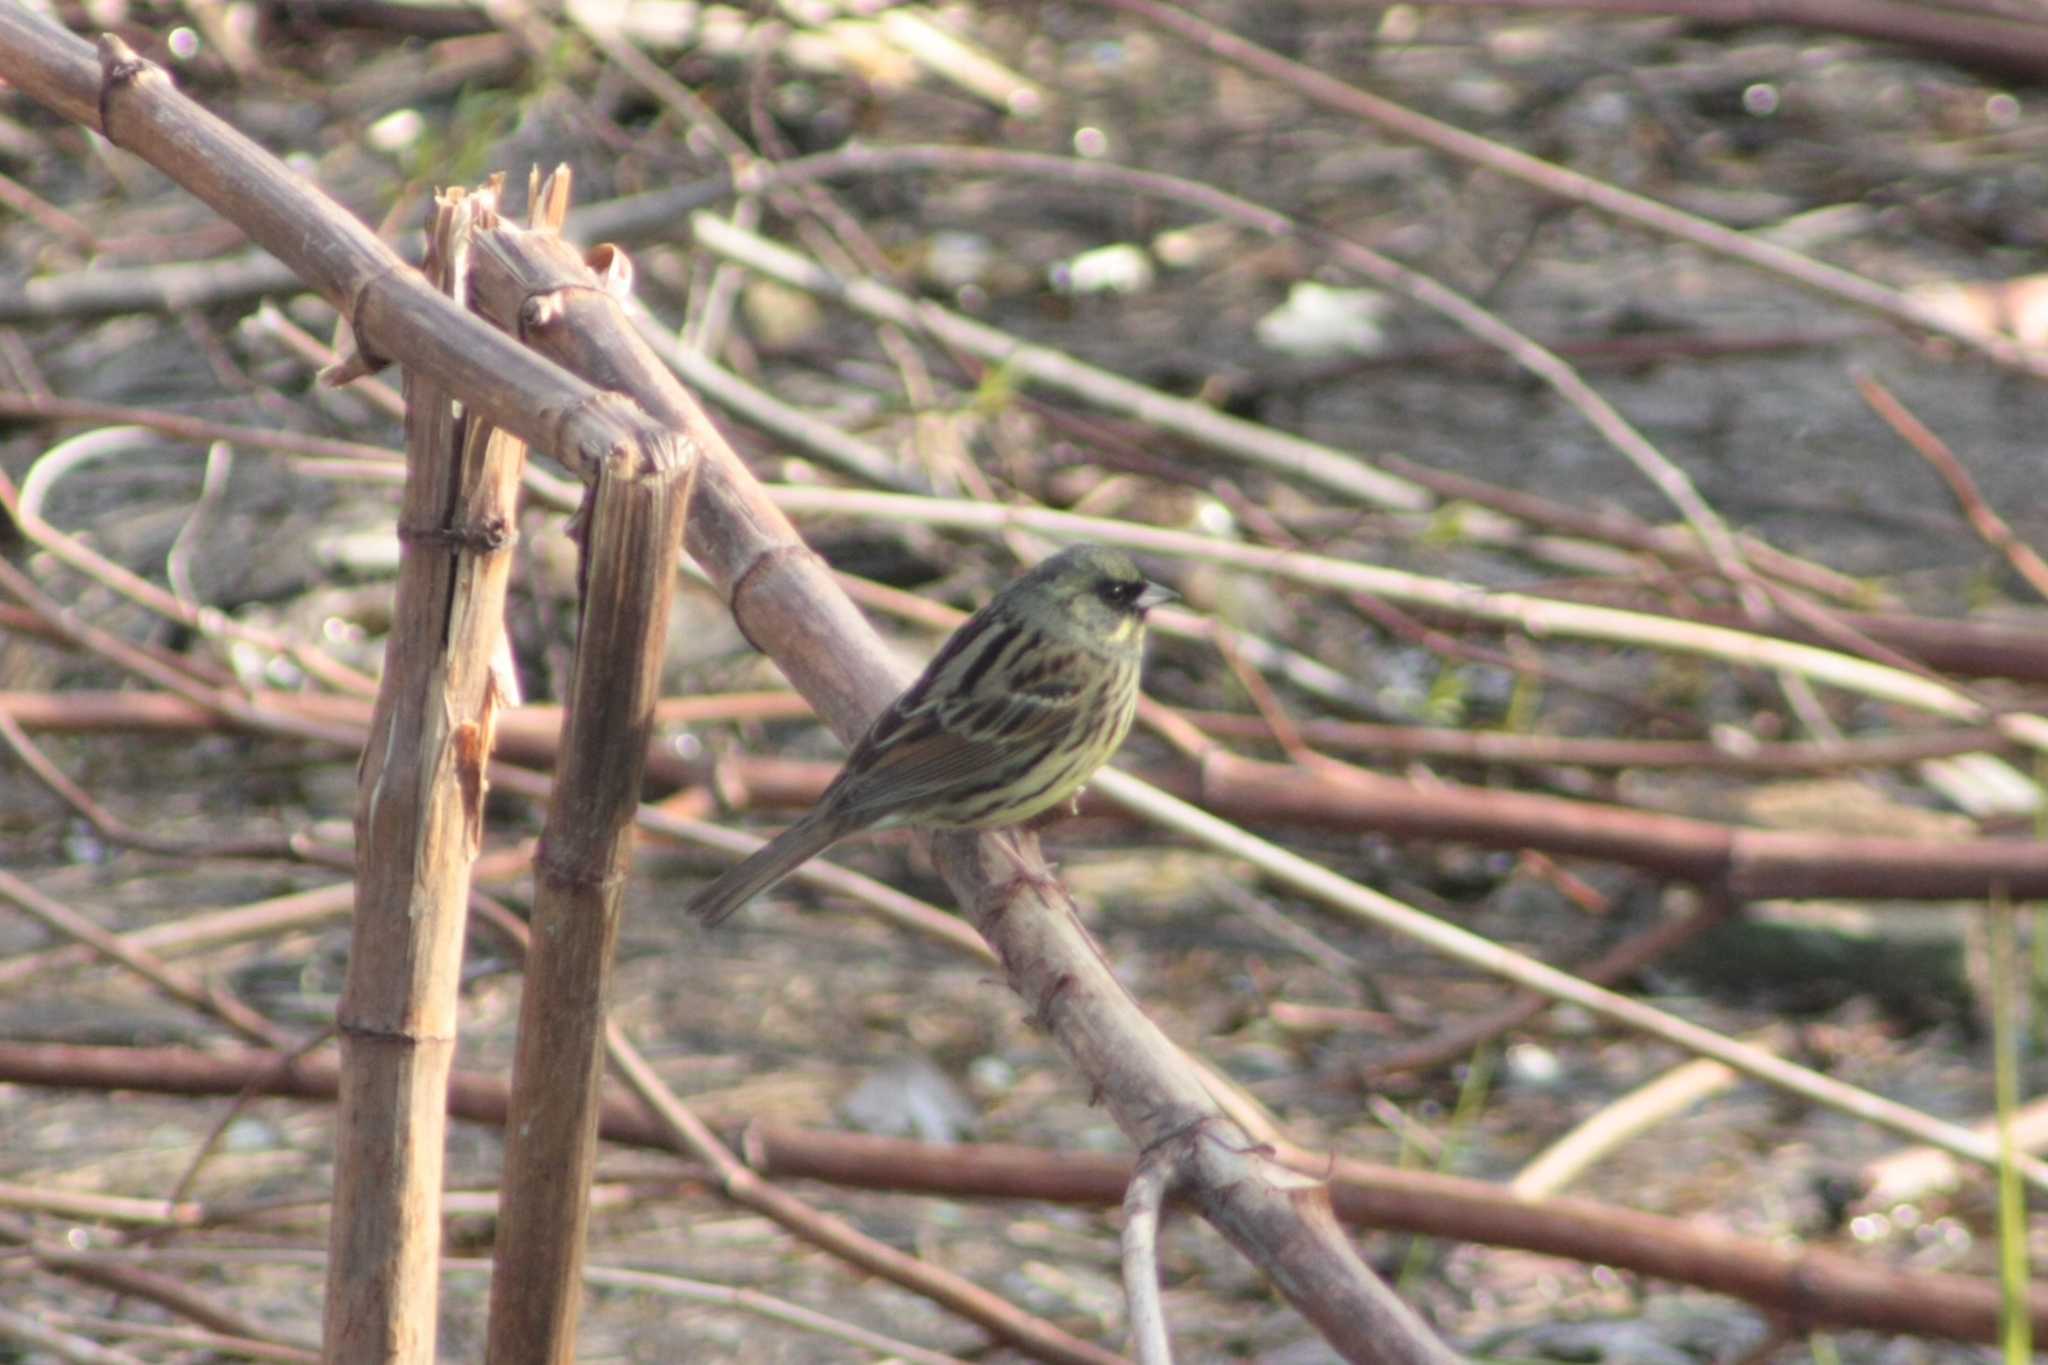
point(1028, 698)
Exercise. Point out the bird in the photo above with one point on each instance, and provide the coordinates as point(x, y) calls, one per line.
point(1017, 710)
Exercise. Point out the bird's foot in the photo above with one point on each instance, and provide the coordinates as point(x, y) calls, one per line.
point(1033, 874)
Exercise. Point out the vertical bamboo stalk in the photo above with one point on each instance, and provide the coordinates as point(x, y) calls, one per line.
point(633, 539)
point(537, 286)
point(419, 818)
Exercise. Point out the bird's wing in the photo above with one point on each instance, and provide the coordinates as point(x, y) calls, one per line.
point(953, 746)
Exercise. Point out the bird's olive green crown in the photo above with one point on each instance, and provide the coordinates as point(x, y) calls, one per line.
point(1087, 595)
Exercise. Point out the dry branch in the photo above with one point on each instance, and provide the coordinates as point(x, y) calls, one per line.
point(1820, 1287)
point(1813, 1286)
point(1748, 863)
point(394, 314)
point(581, 868)
point(1959, 647)
point(528, 734)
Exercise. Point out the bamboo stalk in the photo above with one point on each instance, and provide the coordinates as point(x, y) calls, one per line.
point(632, 542)
point(419, 823)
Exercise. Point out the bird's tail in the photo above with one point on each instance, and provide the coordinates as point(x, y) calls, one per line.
point(779, 857)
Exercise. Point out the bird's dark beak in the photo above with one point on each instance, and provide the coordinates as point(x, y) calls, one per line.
point(1155, 595)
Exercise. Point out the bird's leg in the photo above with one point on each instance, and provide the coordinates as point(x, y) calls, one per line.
point(1011, 842)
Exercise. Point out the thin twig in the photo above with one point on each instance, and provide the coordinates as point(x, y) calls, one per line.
point(762, 1305)
point(27, 1331)
point(1461, 945)
point(1568, 1157)
point(746, 1188)
point(176, 1296)
point(1144, 1204)
point(528, 734)
point(1540, 617)
point(116, 830)
point(196, 1339)
point(173, 982)
point(1984, 520)
point(1972, 34)
point(690, 1136)
point(1302, 458)
point(188, 428)
point(1574, 188)
point(1617, 964)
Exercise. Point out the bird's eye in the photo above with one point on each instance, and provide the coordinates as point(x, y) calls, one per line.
point(1118, 592)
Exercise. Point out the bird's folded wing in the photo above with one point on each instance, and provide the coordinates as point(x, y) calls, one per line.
point(955, 753)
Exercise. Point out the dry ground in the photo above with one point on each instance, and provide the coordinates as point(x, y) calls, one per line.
point(1892, 163)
